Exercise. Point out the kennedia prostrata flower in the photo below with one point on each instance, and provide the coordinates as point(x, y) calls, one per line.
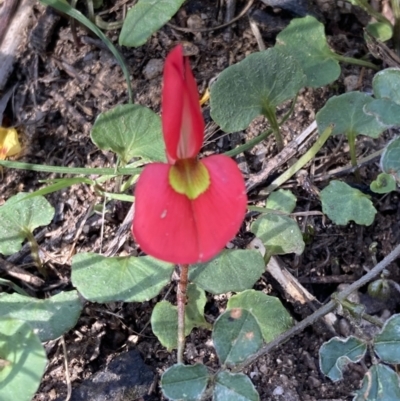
point(187, 210)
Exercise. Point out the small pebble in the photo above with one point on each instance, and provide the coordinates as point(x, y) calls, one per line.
point(153, 68)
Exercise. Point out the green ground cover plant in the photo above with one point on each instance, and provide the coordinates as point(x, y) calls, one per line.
point(252, 322)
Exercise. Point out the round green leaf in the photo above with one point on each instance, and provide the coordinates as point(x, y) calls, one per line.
point(235, 271)
point(236, 336)
point(387, 342)
point(253, 87)
point(184, 383)
point(23, 358)
point(268, 311)
point(279, 234)
point(164, 318)
point(386, 84)
point(304, 39)
point(383, 184)
point(390, 159)
point(130, 131)
point(380, 31)
point(50, 318)
point(385, 111)
point(19, 216)
point(145, 18)
point(234, 387)
point(335, 354)
point(342, 203)
point(380, 383)
point(126, 279)
point(346, 113)
point(282, 200)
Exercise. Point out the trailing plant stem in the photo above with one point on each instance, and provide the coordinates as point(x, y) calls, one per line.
point(351, 137)
point(356, 61)
point(181, 301)
point(396, 27)
point(271, 116)
point(35, 252)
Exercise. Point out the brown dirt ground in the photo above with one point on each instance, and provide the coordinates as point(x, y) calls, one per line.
point(62, 88)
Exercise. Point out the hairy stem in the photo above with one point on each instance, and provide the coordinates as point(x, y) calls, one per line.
point(181, 301)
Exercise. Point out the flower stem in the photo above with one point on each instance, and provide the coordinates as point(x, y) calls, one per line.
point(181, 301)
point(351, 137)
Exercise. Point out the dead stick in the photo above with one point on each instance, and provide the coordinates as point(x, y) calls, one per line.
point(181, 301)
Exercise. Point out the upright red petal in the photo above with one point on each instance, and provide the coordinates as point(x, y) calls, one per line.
point(182, 121)
point(171, 227)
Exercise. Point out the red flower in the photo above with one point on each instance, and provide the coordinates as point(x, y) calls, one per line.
point(186, 210)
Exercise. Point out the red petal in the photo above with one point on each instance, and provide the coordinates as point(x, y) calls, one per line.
point(170, 227)
point(182, 121)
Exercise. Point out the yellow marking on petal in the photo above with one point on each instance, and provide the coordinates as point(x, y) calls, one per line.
point(189, 177)
point(9, 142)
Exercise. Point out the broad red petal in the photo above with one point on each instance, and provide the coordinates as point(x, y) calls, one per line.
point(170, 227)
point(182, 121)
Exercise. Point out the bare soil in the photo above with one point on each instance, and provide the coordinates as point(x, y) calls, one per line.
point(61, 86)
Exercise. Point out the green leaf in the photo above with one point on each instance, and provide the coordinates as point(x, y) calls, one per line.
point(386, 84)
point(282, 200)
point(253, 87)
point(342, 203)
point(279, 234)
point(385, 111)
point(383, 184)
point(184, 383)
point(390, 159)
point(50, 318)
point(164, 323)
point(164, 318)
point(235, 270)
point(24, 360)
point(380, 383)
point(268, 311)
point(234, 387)
point(387, 342)
point(145, 18)
point(126, 279)
point(346, 113)
point(236, 336)
point(380, 31)
point(20, 216)
point(130, 131)
point(304, 39)
point(335, 354)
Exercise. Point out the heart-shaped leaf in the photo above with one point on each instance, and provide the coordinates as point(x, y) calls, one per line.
point(145, 18)
point(279, 234)
point(184, 383)
point(342, 203)
point(383, 184)
point(253, 87)
point(380, 383)
point(335, 354)
point(387, 342)
point(23, 360)
point(304, 39)
point(235, 270)
point(268, 311)
point(130, 131)
point(50, 318)
point(126, 279)
point(234, 387)
point(380, 30)
point(282, 200)
point(19, 217)
point(236, 336)
point(346, 113)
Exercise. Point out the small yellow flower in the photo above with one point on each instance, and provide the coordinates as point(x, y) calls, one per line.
point(9, 142)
